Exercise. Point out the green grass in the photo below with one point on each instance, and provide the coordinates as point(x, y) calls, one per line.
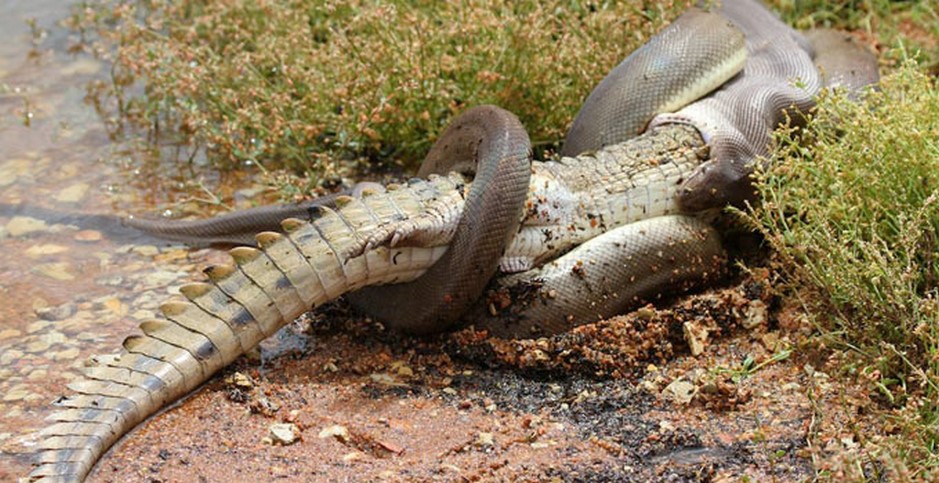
point(312, 86)
point(851, 209)
point(914, 25)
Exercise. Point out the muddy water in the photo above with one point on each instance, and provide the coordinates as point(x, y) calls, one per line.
point(69, 288)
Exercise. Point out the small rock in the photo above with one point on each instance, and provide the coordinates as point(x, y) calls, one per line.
point(755, 316)
point(649, 386)
point(7, 357)
point(242, 381)
point(22, 225)
point(485, 440)
point(37, 326)
point(645, 313)
point(65, 355)
point(353, 456)
point(284, 433)
point(88, 236)
point(37, 346)
point(385, 379)
point(680, 391)
point(145, 250)
point(696, 336)
point(38, 251)
point(390, 447)
point(264, 406)
point(12, 169)
point(61, 312)
point(38, 374)
point(161, 278)
point(402, 369)
point(72, 194)
point(57, 271)
point(771, 341)
point(9, 333)
point(115, 306)
point(111, 280)
point(17, 393)
point(335, 431)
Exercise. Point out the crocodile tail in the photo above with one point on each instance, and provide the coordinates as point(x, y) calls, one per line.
point(219, 320)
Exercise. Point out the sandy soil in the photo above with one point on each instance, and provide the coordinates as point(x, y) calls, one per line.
point(593, 405)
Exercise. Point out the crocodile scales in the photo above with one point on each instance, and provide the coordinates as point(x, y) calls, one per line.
point(378, 238)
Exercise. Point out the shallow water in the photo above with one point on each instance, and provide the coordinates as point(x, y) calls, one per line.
point(69, 288)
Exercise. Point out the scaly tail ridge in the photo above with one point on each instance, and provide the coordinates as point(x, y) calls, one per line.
point(240, 305)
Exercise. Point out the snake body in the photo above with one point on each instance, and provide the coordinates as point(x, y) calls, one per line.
point(694, 55)
point(492, 143)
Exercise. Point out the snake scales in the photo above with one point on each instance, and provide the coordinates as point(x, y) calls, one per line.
point(398, 235)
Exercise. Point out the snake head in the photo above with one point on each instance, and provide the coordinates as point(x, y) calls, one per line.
point(725, 179)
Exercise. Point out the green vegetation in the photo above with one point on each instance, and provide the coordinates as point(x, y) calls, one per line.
point(300, 84)
point(884, 23)
point(851, 209)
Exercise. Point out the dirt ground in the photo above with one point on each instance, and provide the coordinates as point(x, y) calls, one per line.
point(620, 400)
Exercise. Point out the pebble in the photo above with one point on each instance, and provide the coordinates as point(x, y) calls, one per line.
point(66, 355)
point(72, 194)
point(88, 336)
point(402, 369)
point(37, 326)
point(17, 392)
point(284, 433)
point(10, 333)
point(242, 381)
point(145, 250)
point(22, 225)
point(115, 306)
point(88, 236)
point(38, 251)
point(143, 314)
point(755, 316)
point(485, 440)
point(353, 456)
point(110, 281)
point(37, 374)
point(45, 341)
point(60, 312)
point(12, 169)
point(696, 335)
point(335, 431)
point(161, 278)
point(680, 391)
point(7, 357)
point(57, 271)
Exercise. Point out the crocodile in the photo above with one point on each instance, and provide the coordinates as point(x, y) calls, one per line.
point(378, 238)
point(631, 190)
